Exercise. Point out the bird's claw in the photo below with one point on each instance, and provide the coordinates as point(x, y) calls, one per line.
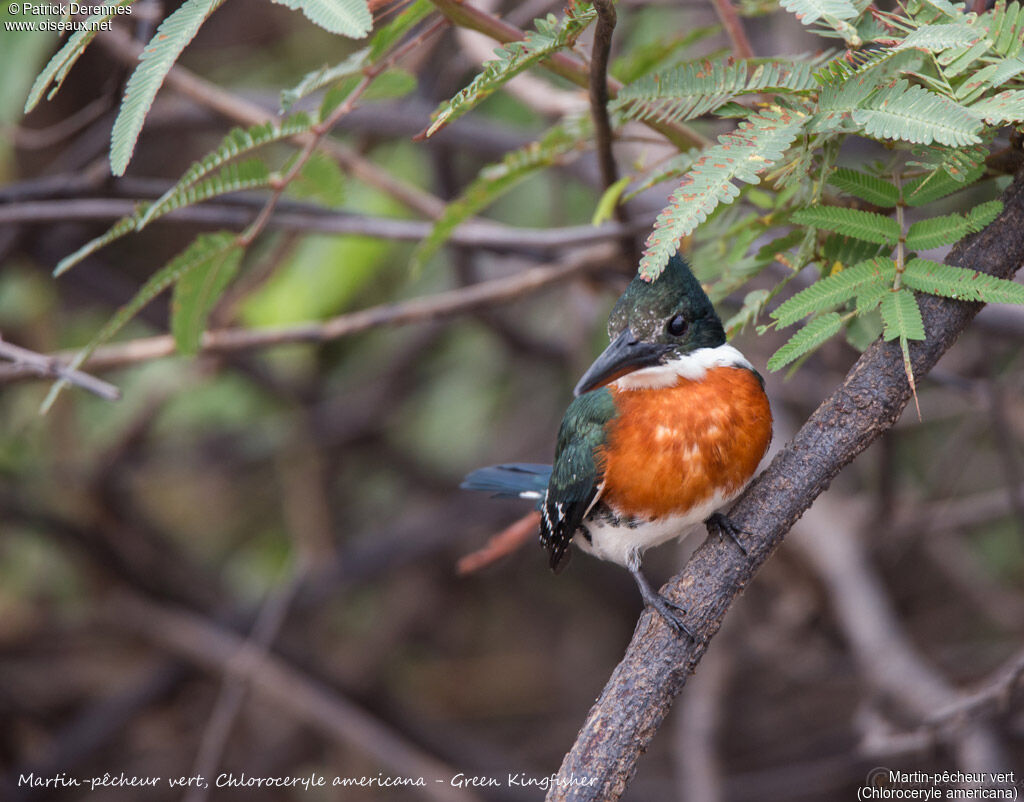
point(670, 613)
point(724, 526)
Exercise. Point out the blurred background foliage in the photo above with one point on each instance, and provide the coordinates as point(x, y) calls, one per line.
point(318, 483)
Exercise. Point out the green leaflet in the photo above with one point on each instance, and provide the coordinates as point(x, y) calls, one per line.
point(868, 226)
point(608, 201)
point(810, 11)
point(320, 179)
point(318, 79)
point(935, 278)
point(816, 332)
point(57, 69)
point(866, 187)
point(197, 291)
point(205, 249)
point(122, 227)
point(344, 17)
point(692, 90)
point(741, 155)
point(901, 316)
point(833, 290)
point(937, 231)
point(936, 38)
point(550, 36)
point(237, 142)
point(497, 179)
point(1005, 107)
point(913, 114)
point(174, 33)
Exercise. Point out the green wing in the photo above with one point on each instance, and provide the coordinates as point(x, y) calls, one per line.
point(577, 472)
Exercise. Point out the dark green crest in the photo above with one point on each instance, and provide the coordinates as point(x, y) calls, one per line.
point(649, 307)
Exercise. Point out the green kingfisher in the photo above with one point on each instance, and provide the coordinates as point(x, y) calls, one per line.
point(669, 425)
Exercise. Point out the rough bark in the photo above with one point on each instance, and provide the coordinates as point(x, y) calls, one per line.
point(654, 669)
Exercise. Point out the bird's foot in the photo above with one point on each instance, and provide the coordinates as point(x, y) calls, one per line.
point(723, 526)
point(670, 611)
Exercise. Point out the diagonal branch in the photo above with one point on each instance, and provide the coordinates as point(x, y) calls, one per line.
point(444, 304)
point(654, 669)
point(31, 363)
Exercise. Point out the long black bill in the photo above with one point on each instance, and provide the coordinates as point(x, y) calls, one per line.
point(624, 355)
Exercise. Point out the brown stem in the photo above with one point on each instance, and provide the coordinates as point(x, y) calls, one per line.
point(734, 28)
point(445, 304)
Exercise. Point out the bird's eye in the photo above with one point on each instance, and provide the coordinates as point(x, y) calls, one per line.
point(677, 326)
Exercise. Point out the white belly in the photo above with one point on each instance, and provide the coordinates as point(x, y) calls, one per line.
point(614, 542)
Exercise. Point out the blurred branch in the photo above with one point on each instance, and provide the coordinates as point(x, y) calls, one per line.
point(960, 713)
point(441, 305)
point(599, 112)
point(223, 652)
point(734, 28)
point(472, 233)
point(827, 535)
point(641, 689)
point(508, 540)
point(49, 367)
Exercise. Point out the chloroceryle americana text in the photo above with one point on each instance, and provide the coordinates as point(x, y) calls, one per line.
point(668, 426)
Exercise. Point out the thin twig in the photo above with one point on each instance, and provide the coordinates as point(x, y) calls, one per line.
point(445, 304)
point(508, 540)
point(734, 28)
point(52, 368)
point(472, 233)
point(599, 111)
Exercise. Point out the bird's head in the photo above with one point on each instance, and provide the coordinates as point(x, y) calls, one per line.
point(654, 323)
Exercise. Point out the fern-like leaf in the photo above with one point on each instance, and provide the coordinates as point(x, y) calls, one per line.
point(816, 332)
point(950, 170)
point(867, 226)
point(810, 11)
point(320, 179)
point(836, 289)
point(205, 249)
point(325, 76)
point(936, 38)
point(174, 33)
point(1005, 107)
point(197, 290)
point(550, 36)
point(741, 155)
point(692, 90)
point(937, 231)
point(866, 187)
point(120, 229)
point(344, 17)
point(936, 278)
point(238, 142)
point(58, 67)
point(902, 316)
point(913, 114)
point(1005, 23)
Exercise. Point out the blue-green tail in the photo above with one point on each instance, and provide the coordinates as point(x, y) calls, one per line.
point(515, 480)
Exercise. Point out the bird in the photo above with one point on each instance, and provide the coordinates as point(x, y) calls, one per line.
point(667, 427)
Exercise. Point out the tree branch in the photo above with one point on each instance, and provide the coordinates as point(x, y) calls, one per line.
point(444, 304)
point(640, 691)
point(734, 28)
point(44, 366)
point(472, 233)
